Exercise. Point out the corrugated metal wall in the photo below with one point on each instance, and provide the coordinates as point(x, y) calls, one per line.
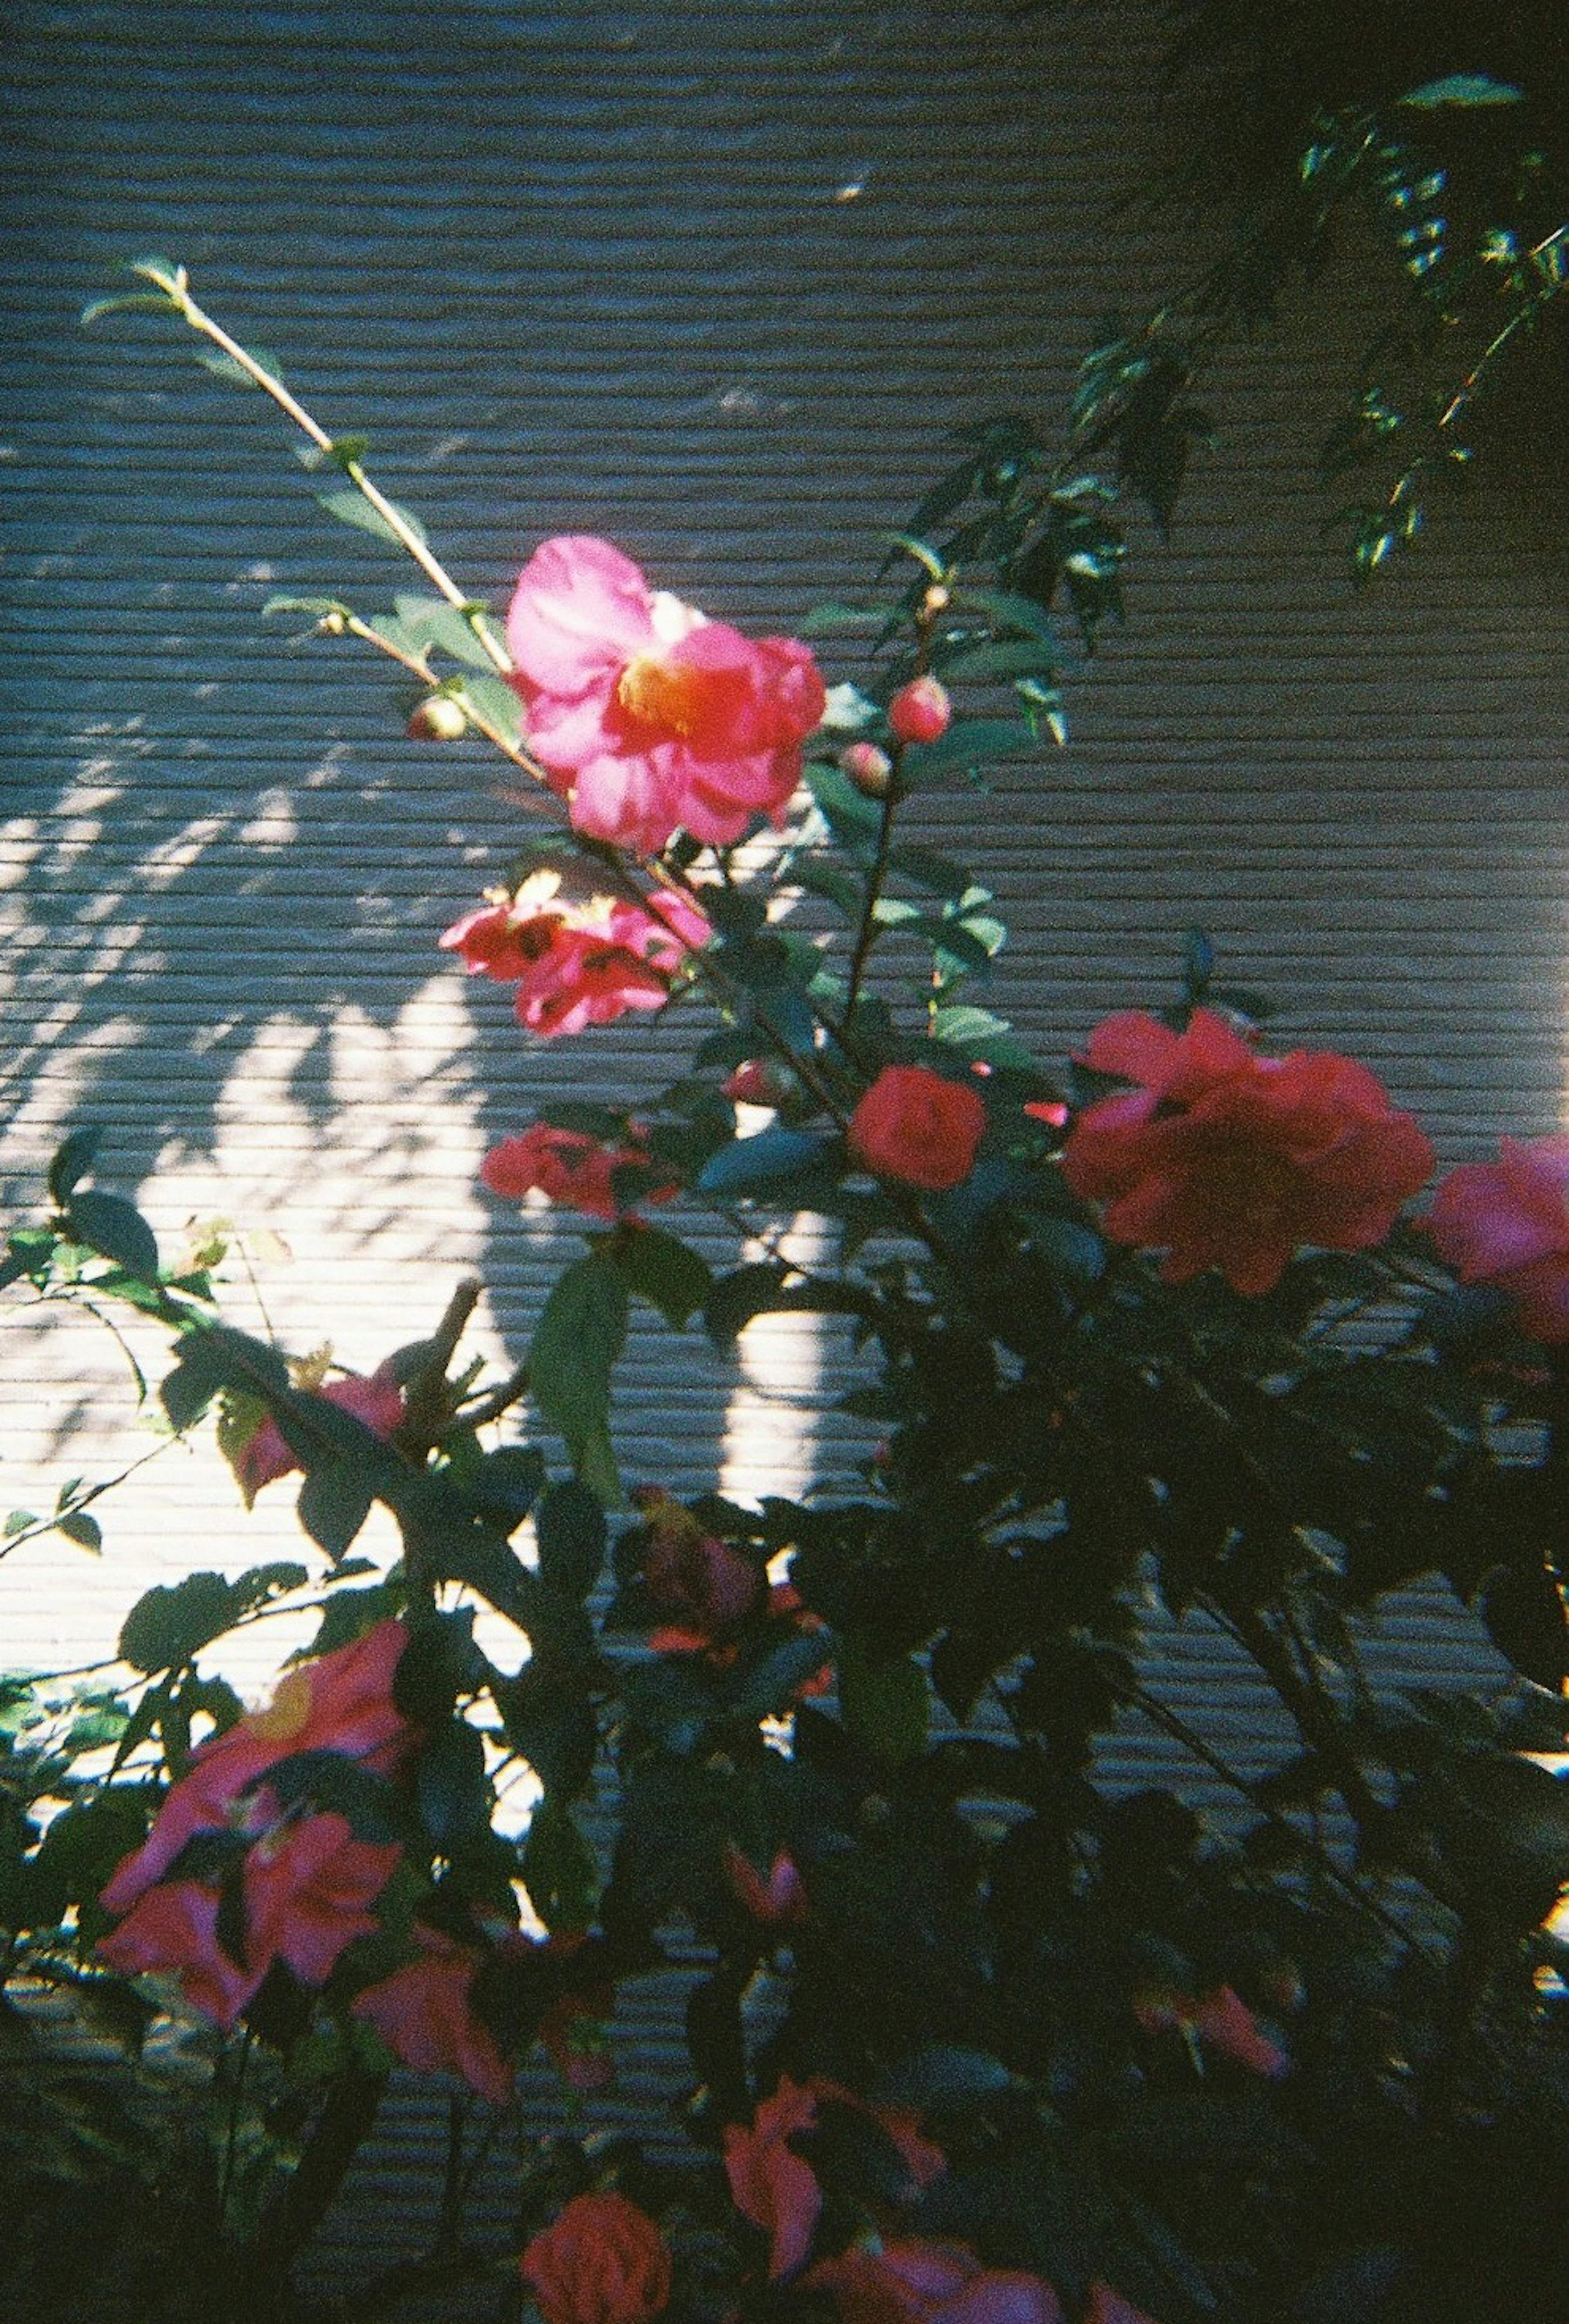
point(711, 279)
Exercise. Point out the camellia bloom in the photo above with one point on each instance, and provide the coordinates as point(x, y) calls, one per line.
point(377, 1401)
point(920, 711)
point(778, 1898)
point(915, 2281)
point(695, 1579)
point(914, 1126)
point(577, 964)
point(342, 1701)
point(1223, 2020)
point(566, 1166)
point(424, 2014)
point(306, 1884)
point(600, 2261)
point(645, 716)
point(1224, 1158)
point(777, 2189)
point(1507, 1223)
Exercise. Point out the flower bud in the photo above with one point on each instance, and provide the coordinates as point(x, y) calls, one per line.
point(920, 711)
point(332, 624)
point(868, 768)
point(437, 719)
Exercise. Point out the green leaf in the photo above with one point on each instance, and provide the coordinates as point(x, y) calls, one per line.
point(998, 658)
point(214, 360)
point(570, 1528)
point(17, 1522)
point(317, 606)
point(495, 702)
point(130, 302)
point(351, 507)
point(168, 1626)
point(335, 1501)
point(115, 1229)
point(73, 1159)
point(1462, 89)
point(768, 1160)
point(576, 1343)
point(560, 1871)
point(434, 623)
point(829, 620)
point(882, 1701)
point(78, 1526)
point(978, 1033)
point(451, 1789)
point(969, 744)
point(943, 2075)
point(661, 1269)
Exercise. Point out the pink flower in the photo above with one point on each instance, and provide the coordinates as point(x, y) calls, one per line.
point(777, 1899)
point(914, 1126)
point(1220, 2019)
point(690, 1575)
point(771, 2185)
point(309, 1887)
point(918, 2282)
point(577, 964)
point(566, 1166)
point(600, 2261)
point(423, 2013)
point(1224, 1158)
point(174, 1927)
point(1507, 1223)
point(920, 711)
point(645, 716)
point(342, 1701)
point(777, 2189)
point(265, 1456)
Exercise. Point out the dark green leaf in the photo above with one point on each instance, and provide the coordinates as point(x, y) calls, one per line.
point(77, 1525)
point(943, 2075)
point(882, 1701)
point(560, 1871)
point(576, 1345)
point(570, 1527)
point(769, 1159)
point(116, 1229)
point(168, 1626)
point(969, 744)
point(451, 1789)
point(664, 1270)
point(213, 359)
point(335, 1501)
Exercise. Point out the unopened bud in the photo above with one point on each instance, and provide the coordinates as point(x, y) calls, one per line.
point(920, 711)
point(935, 601)
point(437, 719)
point(332, 624)
point(868, 768)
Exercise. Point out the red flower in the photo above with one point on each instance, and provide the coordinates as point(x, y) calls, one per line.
point(1220, 2019)
point(772, 2186)
point(265, 1456)
point(566, 1166)
point(645, 716)
point(1507, 1223)
point(920, 711)
point(918, 2282)
point(600, 2261)
point(777, 1899)
point(914, 1126)
point(175, 1926)
point(422, 2013)
point(308, 1888)
point(777, 2189)
point(699, 1582)
point(577, 964)
point(342, 1701)
point(1224, 1158)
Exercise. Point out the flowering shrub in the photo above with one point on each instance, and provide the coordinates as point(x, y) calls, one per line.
point(978, 2031)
